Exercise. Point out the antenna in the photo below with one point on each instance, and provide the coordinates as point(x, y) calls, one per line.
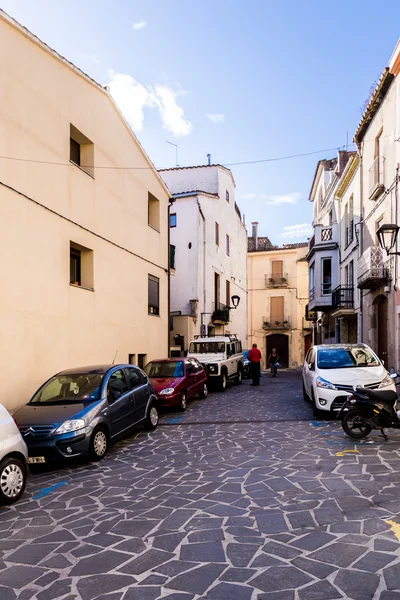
point(176, 150)
point(115, 356)
point(347, 140)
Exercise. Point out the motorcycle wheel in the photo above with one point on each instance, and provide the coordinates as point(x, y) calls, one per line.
point(354, 425)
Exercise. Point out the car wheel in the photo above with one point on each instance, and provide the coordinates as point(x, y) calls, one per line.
point(152, 417)
point(204, 392)
point(12, 480)
point(98, 444)
point(239, 376)
point(223, 382)
point(183, 402)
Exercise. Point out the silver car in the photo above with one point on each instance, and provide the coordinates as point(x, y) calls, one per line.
point(13, 459)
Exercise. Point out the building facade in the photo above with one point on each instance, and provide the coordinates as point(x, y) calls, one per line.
point(84, 258)
point(208, 255)
point(278, 294)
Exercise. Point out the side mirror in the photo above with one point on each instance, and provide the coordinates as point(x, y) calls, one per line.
point(393, 375)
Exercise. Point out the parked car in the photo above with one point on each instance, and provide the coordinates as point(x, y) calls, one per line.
point(246, 365)
point(331, 372)
point(177, 380)
point(81, 411)
point(13, 459)
point(221, 356)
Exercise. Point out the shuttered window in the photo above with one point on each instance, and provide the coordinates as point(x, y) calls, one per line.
point(277, 306)
point(277, 269)
point(154, 294)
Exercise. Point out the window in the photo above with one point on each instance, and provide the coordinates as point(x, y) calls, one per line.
point(350, 274)
point(228, 292)
point(277, 270)
point(217, 289)
point(80, 266)
point(228, 249)
point(172, 220)
point(154, 294)
point(134, 378)
point(351, 219)
point(189, 367)
point(277, 309)
point(227, 195)
point(216, 233)
point(132, 359)
point(330, 218)
point(172, 256)
point(153, 212)
point(117, 385)
point(346, 225)
point(326, 276)
point(81, 150)
point(142, 360)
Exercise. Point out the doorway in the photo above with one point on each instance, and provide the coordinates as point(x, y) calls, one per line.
point(381, 311)
point(281, 343)
point(307, 343)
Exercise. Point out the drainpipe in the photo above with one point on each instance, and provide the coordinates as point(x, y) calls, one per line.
point(170, 203)
point(204, 264)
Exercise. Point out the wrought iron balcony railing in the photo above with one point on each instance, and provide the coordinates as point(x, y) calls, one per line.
point(220, 314)
point(373, 272)
point(343, 297)
point(276, 323)
point(274, 281)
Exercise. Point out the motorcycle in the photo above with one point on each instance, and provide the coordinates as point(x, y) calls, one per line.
point(365, 410)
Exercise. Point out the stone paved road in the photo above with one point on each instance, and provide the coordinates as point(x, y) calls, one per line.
point(244, 498)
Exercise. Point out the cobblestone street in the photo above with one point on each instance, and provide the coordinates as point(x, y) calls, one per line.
point(243, 497)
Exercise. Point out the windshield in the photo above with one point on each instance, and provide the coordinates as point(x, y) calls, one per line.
point(206, 347)
point(69, 388)
point(342, 358)
point(164, 369)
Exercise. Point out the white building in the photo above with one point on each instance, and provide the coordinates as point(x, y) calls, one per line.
point(208, 255)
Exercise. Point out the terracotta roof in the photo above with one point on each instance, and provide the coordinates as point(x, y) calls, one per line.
point(265, 245)
point(195, 192)
point(373, 105)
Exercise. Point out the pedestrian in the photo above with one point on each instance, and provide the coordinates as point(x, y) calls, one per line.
point(273, 361)
point(254, 357)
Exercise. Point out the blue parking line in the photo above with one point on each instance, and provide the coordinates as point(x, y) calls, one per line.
point(176, 420)
point(45, 491)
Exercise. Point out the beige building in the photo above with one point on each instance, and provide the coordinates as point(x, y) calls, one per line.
point(84, 260)
point(278, 295)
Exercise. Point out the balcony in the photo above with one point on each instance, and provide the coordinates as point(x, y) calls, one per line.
point(343, 301)
point(275, 323)
point(220, 316)
point(376, 178)
point(325, 238)
point(276, 281)
point(373, 272)
point(310, 315)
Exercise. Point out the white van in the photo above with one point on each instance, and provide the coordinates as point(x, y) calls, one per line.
point(13, 459)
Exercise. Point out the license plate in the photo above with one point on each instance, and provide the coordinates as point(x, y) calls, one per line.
point(36, 459)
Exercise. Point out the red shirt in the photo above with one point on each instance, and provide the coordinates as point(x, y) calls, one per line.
point(254, 355)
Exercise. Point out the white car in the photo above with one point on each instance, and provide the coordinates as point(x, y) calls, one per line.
point(221, 357)
point(13, 459)
point(332, 372)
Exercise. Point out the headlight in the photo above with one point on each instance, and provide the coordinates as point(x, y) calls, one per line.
point(69, 426)
point(386, 381)
point(213, 368)
point(323, 383)
point(167, 391)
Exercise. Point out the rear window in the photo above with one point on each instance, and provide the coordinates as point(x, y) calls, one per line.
point(164, 369)
point(346, 358)
point(206, 347)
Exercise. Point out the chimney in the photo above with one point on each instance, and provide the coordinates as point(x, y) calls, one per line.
point(254, 234)
point(209, 159)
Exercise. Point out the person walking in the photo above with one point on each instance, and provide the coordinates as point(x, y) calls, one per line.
point(273, 361)
point(254, 357)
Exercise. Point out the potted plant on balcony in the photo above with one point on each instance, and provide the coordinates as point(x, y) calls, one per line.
point(286, 323)
point(277, 323)
point(283, 279)
point(266, 323)
point(271, 280)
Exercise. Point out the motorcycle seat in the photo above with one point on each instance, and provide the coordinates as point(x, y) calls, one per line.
point(384, 396)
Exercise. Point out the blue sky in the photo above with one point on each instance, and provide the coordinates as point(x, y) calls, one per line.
point(242, 80)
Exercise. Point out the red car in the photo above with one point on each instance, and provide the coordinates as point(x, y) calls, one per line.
point(176, 380)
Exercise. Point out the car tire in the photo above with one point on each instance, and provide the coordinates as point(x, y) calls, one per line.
point(223, 381)
point(204, 392)
point(98, 444)
point(239, 376)
point(13, 474)
point(183, 402)
point(152, 417)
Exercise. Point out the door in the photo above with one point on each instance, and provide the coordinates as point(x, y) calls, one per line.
point(230, 362)
point(277, 271)
point(121, 402)
point(199, 379)
point(308, 371)
point(191, 377)
point(307, 343)
point(382, 322)
point(281, 343)
point(140, 393)
point(277, 313)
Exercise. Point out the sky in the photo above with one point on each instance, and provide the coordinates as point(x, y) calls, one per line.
point(243, 80)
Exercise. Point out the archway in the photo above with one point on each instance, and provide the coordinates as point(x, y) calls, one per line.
point(381, 320)
point(281, 343)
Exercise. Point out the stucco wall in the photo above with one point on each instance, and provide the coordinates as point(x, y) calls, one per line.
point(48, 325)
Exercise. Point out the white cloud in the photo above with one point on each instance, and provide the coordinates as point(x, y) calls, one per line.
point(291, 198)
point(133, 97)
point(302, 231)
point(249, 196)
point(139, 25)
point(216, 117)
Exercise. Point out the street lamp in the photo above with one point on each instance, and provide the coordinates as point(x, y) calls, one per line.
point(387, 237)
point(235, 301)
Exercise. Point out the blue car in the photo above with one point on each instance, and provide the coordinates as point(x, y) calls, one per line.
point(80, 412)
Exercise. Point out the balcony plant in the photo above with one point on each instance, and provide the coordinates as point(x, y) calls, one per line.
point(272, 280)
point(285, 323)
point(266, 323)
point(277, 323)
point(220, 315)
point(283, 279)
